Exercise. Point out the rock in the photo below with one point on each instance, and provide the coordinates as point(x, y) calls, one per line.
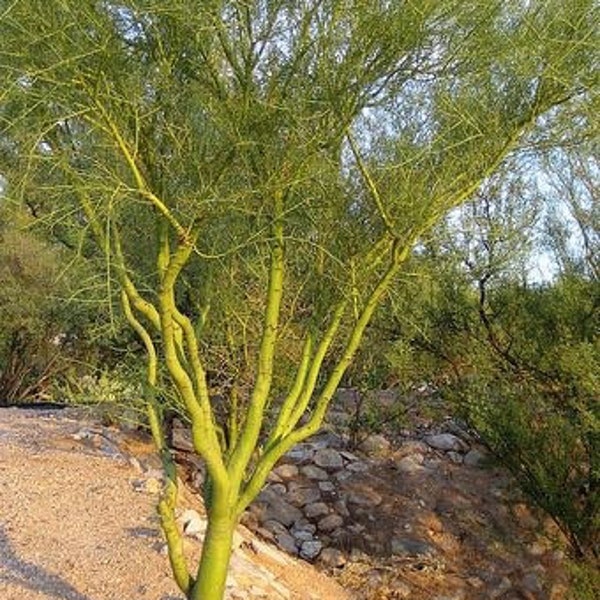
point(458, 428)
point(357, 467)
point(277, 488)
point(303, 536)
point(317, 509)
point(286, 471)
point(309, 550)
point(343, 475)
point(328, 439)
point(303, 525)
point(341, 508)
point(330, 522)
point(249, 519)
point(410, 547)
point(315, 473)
point(301, 454)
point(192, 524)
point(332, 558)
point(327, 486)
point(455, 457)
point(410, 464)
point(376, 445)
point(300, 495)
point(364, 497)
point(275, 527)
point(446, 442)
point(328, 458)
point(475, 458)
point(349, 456)
point(287, 543)
point(182, 438)
point(278, 509)
point(272, 477)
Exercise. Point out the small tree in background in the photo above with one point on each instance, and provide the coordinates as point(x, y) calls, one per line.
point(257, 174)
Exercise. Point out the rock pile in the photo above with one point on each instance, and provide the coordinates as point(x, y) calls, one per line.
point(421, 514)
point(316, 500)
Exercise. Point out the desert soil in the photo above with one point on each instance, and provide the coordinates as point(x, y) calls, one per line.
point(78, 521)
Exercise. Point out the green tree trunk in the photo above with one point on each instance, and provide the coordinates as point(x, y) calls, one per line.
point(216, 552)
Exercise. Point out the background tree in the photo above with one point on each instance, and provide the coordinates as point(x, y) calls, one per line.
point(256, 175)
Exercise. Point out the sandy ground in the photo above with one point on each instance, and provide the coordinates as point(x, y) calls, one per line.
point(73, 526)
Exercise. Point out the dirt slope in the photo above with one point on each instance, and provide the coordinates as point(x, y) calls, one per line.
point(77, 521)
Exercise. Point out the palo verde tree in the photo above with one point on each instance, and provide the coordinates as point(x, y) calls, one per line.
point(256, 174)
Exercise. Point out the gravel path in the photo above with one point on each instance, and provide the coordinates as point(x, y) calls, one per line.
point(73, 526)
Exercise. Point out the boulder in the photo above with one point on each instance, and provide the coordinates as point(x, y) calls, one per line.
point(446, 442)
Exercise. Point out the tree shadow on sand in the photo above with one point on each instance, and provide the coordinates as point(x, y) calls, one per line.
point(17, 571)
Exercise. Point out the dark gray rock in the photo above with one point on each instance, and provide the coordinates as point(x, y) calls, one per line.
point(303, 525)
point(310, 549)
point(357, 467)
point(301, 454)
point(343, 475)
point(315, 473)
point(275, 527)
point(287, 543)
point(455, 457)
point(328, 458)
point(327, 486)
point(278, 509)
point(300, 495)
point(341, 508)
point(475, 458)
point(316, 509)
point(302, 536)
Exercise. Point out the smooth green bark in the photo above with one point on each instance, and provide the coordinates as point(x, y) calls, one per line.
point(216, 553)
